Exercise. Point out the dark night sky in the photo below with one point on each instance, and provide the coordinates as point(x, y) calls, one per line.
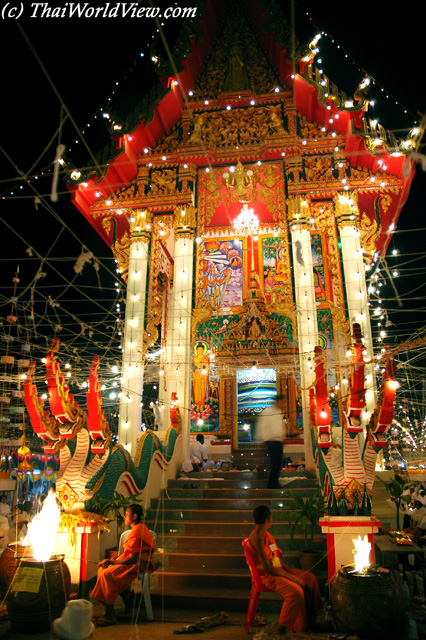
point(85, 59)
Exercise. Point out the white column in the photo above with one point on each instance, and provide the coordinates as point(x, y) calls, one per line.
point(165, 382)
point(356, 297)
point(306, 323)
point(179, 368)
point(132, 370)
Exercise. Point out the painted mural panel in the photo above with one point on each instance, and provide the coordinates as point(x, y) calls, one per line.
point(274, 266)
point(299, 404)
point(223, 272)
point(326, 342)
point(318, 267)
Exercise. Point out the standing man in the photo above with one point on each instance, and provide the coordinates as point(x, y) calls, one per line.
point(271, 429)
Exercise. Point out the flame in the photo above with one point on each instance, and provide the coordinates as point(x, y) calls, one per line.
point(43, 528)
point(361, 553)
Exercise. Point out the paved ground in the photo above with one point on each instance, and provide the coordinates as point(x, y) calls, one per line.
point(162, 628)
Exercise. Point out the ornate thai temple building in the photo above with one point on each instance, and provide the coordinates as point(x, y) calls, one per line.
point(243, 204)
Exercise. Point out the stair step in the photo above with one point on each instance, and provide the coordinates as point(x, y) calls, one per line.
point(192, 513)
point(214, 545)
point(222, 504)
point(214, 599)
point(201, 520)
point(215, 563)
point(280, 532)
point(234, 483)
point(208, 584)
point(230, 492)
point(168, 580)
point(241, 474)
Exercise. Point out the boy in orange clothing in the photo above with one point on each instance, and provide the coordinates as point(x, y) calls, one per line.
point(302, 598)
point(114, 576)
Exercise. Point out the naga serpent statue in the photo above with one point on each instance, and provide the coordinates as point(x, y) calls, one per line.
point(347, 472)
point(90, 464)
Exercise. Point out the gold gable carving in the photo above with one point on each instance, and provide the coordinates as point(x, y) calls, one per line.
point(251, 334)
point(237, 62)
point(171, 142)
point(244, 126)
point(319, 169)
point(163, 181)
point(311, 129)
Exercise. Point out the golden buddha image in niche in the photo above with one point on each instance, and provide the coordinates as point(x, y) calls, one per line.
point(200, 376)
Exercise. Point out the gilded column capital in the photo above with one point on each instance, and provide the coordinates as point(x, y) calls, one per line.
point(294, 169)
point(185, 221)
point(140, 225)
point(299, 211)
point(346, 210)
point(187, 175)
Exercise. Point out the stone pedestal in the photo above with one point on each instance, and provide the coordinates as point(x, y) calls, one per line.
point(341, 531)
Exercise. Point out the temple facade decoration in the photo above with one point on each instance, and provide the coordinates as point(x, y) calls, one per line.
point(235, 310)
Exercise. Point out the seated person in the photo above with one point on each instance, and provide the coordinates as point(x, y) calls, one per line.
point(4, 507)
point(4, 533)
point(198, 450)
point(114, 576)
point(302, 598)
point(418, 514)
point(20, 520)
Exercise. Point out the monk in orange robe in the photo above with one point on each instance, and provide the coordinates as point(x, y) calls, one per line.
point(115, 576)
point(302, 598)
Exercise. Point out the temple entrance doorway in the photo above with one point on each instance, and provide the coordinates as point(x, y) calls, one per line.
point(256, 390)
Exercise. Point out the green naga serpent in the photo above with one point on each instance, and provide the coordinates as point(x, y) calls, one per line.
point(90, 464)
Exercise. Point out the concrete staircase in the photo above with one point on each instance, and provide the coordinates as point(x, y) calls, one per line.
point(200, 522)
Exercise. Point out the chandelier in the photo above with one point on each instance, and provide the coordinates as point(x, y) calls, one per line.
point(247, 222)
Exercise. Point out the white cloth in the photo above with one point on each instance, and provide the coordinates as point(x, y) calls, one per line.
point(187, 466)
point(270, 425)
point(4, 526)
point(418, 514)
point(4, 509)
point(4, 531)
point(199, 451)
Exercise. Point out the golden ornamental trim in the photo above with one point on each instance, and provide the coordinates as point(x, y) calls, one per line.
point(141, 443)
point(121, 252)
point(377, 139)
point(370, 233)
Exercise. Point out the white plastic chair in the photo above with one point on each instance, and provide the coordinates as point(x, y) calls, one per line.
point(145, 578)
